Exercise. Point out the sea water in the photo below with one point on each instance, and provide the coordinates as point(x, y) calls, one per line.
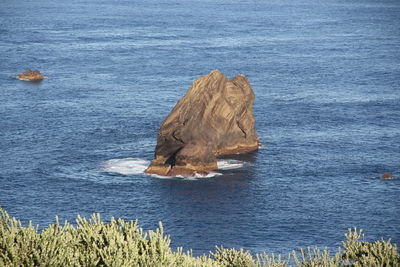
point(326, 75)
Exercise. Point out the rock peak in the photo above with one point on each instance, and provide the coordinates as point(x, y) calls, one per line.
point(216, 73)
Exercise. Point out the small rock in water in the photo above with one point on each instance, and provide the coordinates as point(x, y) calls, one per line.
point(387, 175)
point(31, 76)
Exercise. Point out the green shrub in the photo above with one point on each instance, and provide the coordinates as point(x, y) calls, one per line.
point(119, 243)
point(233, 257)
point(362, 253)
point(316, 257)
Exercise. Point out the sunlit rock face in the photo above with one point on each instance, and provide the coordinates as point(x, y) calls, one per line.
point(31, 76)
point(214, 118)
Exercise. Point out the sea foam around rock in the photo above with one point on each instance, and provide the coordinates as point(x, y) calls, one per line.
point(134, 166)
point(126, 166)
point(229, 164)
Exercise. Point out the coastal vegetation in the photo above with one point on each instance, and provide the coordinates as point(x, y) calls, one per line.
point(93, 242)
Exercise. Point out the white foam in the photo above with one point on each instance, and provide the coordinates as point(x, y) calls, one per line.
point(126, 166)
point(209, 175)
point(229, 164)
point(197, 176)
point(131, 166)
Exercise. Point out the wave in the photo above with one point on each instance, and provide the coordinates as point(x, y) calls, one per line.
point(126, 166)
point(197, 176)
point(230, 164)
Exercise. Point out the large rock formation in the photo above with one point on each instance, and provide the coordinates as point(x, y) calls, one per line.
point(214, 118)
point(31, 76)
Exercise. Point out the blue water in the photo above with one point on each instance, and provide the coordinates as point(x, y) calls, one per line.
point(326, 75)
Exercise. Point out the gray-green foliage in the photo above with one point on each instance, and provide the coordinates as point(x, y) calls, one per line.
point(311, 257)
point(363, 253)
point(233, 257)
point(119, 243)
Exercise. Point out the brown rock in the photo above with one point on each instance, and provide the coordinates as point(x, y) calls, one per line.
point(214, 118)
point(31, 76)
point(387, 175)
